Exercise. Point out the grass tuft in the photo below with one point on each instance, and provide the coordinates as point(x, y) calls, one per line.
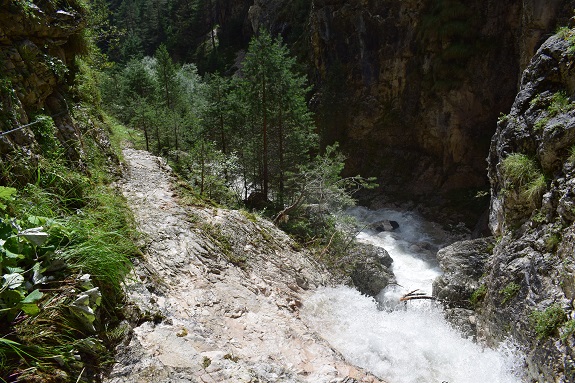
point(545, 323)
point(524, 175)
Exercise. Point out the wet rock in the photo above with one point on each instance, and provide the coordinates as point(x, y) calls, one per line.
point(372, 269)
point(532, 264)
point(384, 225)
point(463, 264)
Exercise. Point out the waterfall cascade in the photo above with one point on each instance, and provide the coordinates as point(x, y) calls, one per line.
point(406, 342)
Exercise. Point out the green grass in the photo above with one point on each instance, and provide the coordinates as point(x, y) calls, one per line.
point(523, 174)
point(545, 323)
point(571, 158)
point(560, 103)
point(519, 169)
point(509, 291)
point(568, 34)
point(91, 231)
point(553, 241)
point(568, 329)
point(478, 296)
point(535, 188)
point(541, 123)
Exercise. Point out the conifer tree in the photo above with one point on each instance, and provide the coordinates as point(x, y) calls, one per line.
point(279, 126)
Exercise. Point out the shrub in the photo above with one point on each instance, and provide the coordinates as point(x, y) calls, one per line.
point(546, 322)
point(572, 154)
point(560, 103)
point(568, 329)
point(535, 189)
point(478, 296)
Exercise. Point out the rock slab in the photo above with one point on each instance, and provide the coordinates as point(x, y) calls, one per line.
point(219, 294)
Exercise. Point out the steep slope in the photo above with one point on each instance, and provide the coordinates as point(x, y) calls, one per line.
point(522, 283)
point(218, 294)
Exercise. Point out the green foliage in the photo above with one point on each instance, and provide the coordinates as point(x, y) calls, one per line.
point(478, 296)
point(45, 133)
point(554, 105)
point(552, 241)
point(318, 199)
point(20, 252)
point(545, 323)
point(502, 118)
point(567, 330)
point(571, 158)
point(560, 103)
point(523, 174)
point(509, 292)
point(536, 188)
point(276, 118)
point(39, 255)
point(519, 169)
point(567, 34)
point(541, 123)
point(245, 135)
point(6, 195)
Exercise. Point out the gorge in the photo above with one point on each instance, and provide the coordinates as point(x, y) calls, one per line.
point(463, 111)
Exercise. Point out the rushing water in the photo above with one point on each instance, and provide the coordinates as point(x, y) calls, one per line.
point(405, 342)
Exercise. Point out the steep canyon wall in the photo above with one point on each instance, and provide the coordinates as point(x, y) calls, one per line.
point(413, 89)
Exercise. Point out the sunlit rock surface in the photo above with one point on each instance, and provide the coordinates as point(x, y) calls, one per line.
point(219, 294)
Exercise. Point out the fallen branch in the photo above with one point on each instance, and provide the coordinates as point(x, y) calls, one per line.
point(415, 295)
point(403, 299)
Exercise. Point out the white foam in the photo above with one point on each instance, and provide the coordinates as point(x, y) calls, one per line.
point(411, 345)
point(407, 342)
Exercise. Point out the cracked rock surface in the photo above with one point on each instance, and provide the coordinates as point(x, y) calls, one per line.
point(218, 293)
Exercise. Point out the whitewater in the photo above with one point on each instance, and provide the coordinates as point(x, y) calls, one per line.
point(405, 342)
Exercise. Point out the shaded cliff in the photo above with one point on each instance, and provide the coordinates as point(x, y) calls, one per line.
point(412, 89)
point(38, 47)
point(522, 284)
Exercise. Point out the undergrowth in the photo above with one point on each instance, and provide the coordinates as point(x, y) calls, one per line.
point(66, 239)
point(546, 322)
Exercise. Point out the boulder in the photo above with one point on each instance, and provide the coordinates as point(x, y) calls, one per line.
point(463, 264)
point(372, 269)
point(384, 225)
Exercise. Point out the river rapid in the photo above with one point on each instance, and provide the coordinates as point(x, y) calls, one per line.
point(405, 342)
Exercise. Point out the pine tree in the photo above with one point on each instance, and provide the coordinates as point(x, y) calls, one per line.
point(279, 126)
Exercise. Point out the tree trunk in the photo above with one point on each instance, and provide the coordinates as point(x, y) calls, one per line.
point(265, 138)
point(281, 154)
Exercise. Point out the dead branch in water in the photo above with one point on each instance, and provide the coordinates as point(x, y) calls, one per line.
point(415, 295)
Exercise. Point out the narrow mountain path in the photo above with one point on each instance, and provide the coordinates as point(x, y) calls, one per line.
point(218, 293)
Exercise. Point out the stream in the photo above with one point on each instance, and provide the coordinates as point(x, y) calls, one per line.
point(407, 342)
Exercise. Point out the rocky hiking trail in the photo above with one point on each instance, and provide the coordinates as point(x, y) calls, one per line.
point(217, 293)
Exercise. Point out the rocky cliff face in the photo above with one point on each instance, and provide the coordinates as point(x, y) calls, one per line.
point(526, 287)
point(412, 89)
point(37, 50)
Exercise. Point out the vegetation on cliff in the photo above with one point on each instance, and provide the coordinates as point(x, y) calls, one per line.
point(66, 236)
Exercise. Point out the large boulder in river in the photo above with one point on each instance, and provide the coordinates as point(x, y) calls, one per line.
point(372, 269)
point(463, 264)
point(384, 225)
